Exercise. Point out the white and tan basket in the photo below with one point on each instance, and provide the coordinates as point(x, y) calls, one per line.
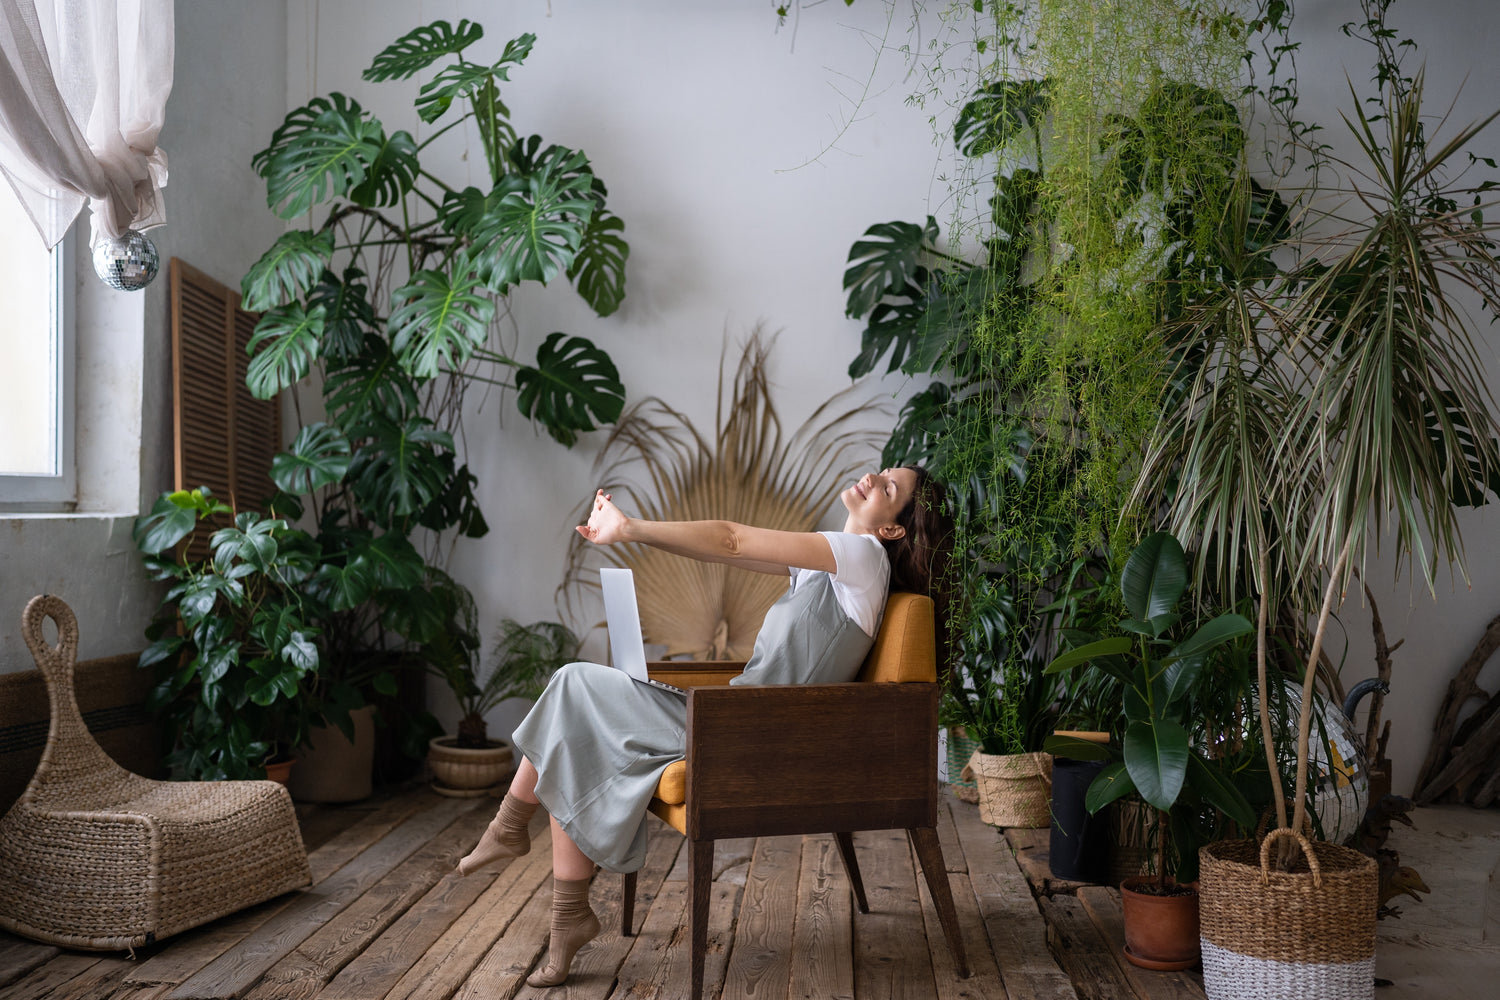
point(1014, 789)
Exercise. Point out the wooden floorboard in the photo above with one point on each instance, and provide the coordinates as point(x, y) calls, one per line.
point(760, 957)
point(823, 934)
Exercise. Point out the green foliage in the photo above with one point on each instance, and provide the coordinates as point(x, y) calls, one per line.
point(523, 659)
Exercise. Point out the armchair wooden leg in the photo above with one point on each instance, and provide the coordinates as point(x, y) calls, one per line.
point(700, 886)
point(627, 909)
point(851, 868)
point(930, 853)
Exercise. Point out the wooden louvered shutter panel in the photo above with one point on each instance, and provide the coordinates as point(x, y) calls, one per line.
point(224, 437)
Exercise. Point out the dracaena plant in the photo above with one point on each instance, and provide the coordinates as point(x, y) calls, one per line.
point(1159, 675)
point(393, 289)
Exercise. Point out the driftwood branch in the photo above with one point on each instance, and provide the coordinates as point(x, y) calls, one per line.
point(1382, 671)
point(1460, 690)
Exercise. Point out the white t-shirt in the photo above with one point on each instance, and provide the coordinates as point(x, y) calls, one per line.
point(862, 577)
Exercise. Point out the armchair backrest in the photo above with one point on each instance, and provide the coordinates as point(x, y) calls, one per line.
point(905, 649)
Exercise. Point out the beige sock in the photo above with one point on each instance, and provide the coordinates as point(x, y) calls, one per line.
point(574, 925)
point(505, 837)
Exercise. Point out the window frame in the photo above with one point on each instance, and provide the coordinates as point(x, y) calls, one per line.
point(57, 492)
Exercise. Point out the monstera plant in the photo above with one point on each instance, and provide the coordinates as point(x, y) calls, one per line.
point(393, 290)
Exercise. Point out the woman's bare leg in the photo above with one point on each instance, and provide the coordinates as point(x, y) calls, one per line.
point(568, 862)
point(523, 785)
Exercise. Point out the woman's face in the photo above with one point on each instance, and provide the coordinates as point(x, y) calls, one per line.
point(874, 501)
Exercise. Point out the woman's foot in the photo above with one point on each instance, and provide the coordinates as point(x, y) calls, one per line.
point(507, 836)
point(574, 925)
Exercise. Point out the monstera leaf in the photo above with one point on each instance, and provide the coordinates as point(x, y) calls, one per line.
point(318, 457)
point(885, 262)
point(420, 48)
point(598, 272)
point(348, 314)
point(439, 320)
point(401, 468)
point(294, 264)
point(372, 385)
point(535, 233)
point(391, 175)
point(324, 149)
point(998, 113)
point(469, 79)
point(572, 379)
point(287, 342)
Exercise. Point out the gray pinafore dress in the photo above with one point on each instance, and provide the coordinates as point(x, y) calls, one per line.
point(600, 740)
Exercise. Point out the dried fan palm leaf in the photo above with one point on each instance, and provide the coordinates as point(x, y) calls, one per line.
point(658, 464)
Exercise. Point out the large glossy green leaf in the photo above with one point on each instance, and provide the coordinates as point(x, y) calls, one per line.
point(1156, 755)
point(439, 320)
point(885, 262)
point(1216, 789)
point(1181, 676)
point(572, 380)
point(322, 150)
point(1110, 784)
point(318, 457)
point(1154, 577)
point(166, 525)
point(496, 133)
point(457, 507)
point(1074, 748)
point(283, 348)
point(371, 385)
point(998, 113)
point(294, 264)
point(1112, 646)
point(598, 272)
point(1213, 634)
point(420, 48)
point(401, 468)
point(469, 80)
point(535, 233)
point(391, 174)
point(348, 315)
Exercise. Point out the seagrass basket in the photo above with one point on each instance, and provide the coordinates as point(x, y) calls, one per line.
point(95, 857)
point(961, 747)
point(1014, 789)
point(1304, 934)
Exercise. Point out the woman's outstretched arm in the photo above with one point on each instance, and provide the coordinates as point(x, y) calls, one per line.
point(761, 549)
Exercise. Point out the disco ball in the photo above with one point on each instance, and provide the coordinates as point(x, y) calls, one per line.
point(128, 263)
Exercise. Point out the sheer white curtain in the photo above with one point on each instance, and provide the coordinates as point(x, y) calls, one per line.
point(83, 91)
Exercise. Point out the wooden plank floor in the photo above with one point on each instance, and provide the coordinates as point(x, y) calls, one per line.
point(387, 920)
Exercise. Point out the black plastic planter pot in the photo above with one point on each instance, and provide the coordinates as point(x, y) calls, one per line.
point(1079, 850)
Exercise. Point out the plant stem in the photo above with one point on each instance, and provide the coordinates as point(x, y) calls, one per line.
point(1265, 715)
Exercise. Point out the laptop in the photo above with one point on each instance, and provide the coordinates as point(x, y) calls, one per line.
point(626, 648)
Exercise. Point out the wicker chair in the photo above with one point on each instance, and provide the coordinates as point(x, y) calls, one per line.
point(95, 857)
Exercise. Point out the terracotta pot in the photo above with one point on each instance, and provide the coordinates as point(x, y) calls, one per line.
point(279, 771)
point(331, 769)
point(462, 772)
point(1161, 932)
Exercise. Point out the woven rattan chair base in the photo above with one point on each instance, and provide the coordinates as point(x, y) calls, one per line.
point(95, 857)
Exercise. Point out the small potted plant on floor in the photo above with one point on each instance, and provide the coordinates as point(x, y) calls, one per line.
point(1158, 759)
point(470, 763)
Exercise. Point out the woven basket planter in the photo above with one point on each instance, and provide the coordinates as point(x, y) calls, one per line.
point(961, 747)
point(1307, 934)
point(1014, 789)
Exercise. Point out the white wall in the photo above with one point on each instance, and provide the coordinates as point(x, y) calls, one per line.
point(228, 93)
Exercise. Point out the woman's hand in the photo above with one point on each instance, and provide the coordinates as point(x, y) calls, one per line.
point(606, 521)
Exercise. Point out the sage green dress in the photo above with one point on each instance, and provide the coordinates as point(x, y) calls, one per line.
point(600, 740)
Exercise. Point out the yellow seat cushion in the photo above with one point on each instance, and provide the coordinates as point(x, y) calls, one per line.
point(671, 788)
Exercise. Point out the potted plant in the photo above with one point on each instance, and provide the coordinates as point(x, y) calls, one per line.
point(1159, 760)
point(394, 295)
point(525, 657)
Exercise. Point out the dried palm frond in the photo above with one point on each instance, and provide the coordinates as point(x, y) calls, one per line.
point(659, 467)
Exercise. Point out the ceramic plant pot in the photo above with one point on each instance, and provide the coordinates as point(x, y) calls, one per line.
point(463, 772)
point(1161, 932)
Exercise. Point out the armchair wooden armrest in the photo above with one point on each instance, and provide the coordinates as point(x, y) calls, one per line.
point(811, 759)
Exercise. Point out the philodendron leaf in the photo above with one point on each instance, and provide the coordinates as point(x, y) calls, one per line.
point(1108, 785)
point(1154, 577)
point(391, 174)
point(318, 457)
point(1156, 755)
point(572, 379)
point(294, 264)
point(282, 348)
point(1213, 634)
point(420, 48)
point(535, 233)
point(322, 150)
point(439, 320)
point(166, 525)
point(885, 262)
point(1209, 782)
point(598, 272)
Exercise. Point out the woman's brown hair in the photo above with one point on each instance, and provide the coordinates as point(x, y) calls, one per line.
point(921, 560)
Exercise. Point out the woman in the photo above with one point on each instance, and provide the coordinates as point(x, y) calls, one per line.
point(595, 744)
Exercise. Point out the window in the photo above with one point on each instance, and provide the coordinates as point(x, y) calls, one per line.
point(36, 365)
